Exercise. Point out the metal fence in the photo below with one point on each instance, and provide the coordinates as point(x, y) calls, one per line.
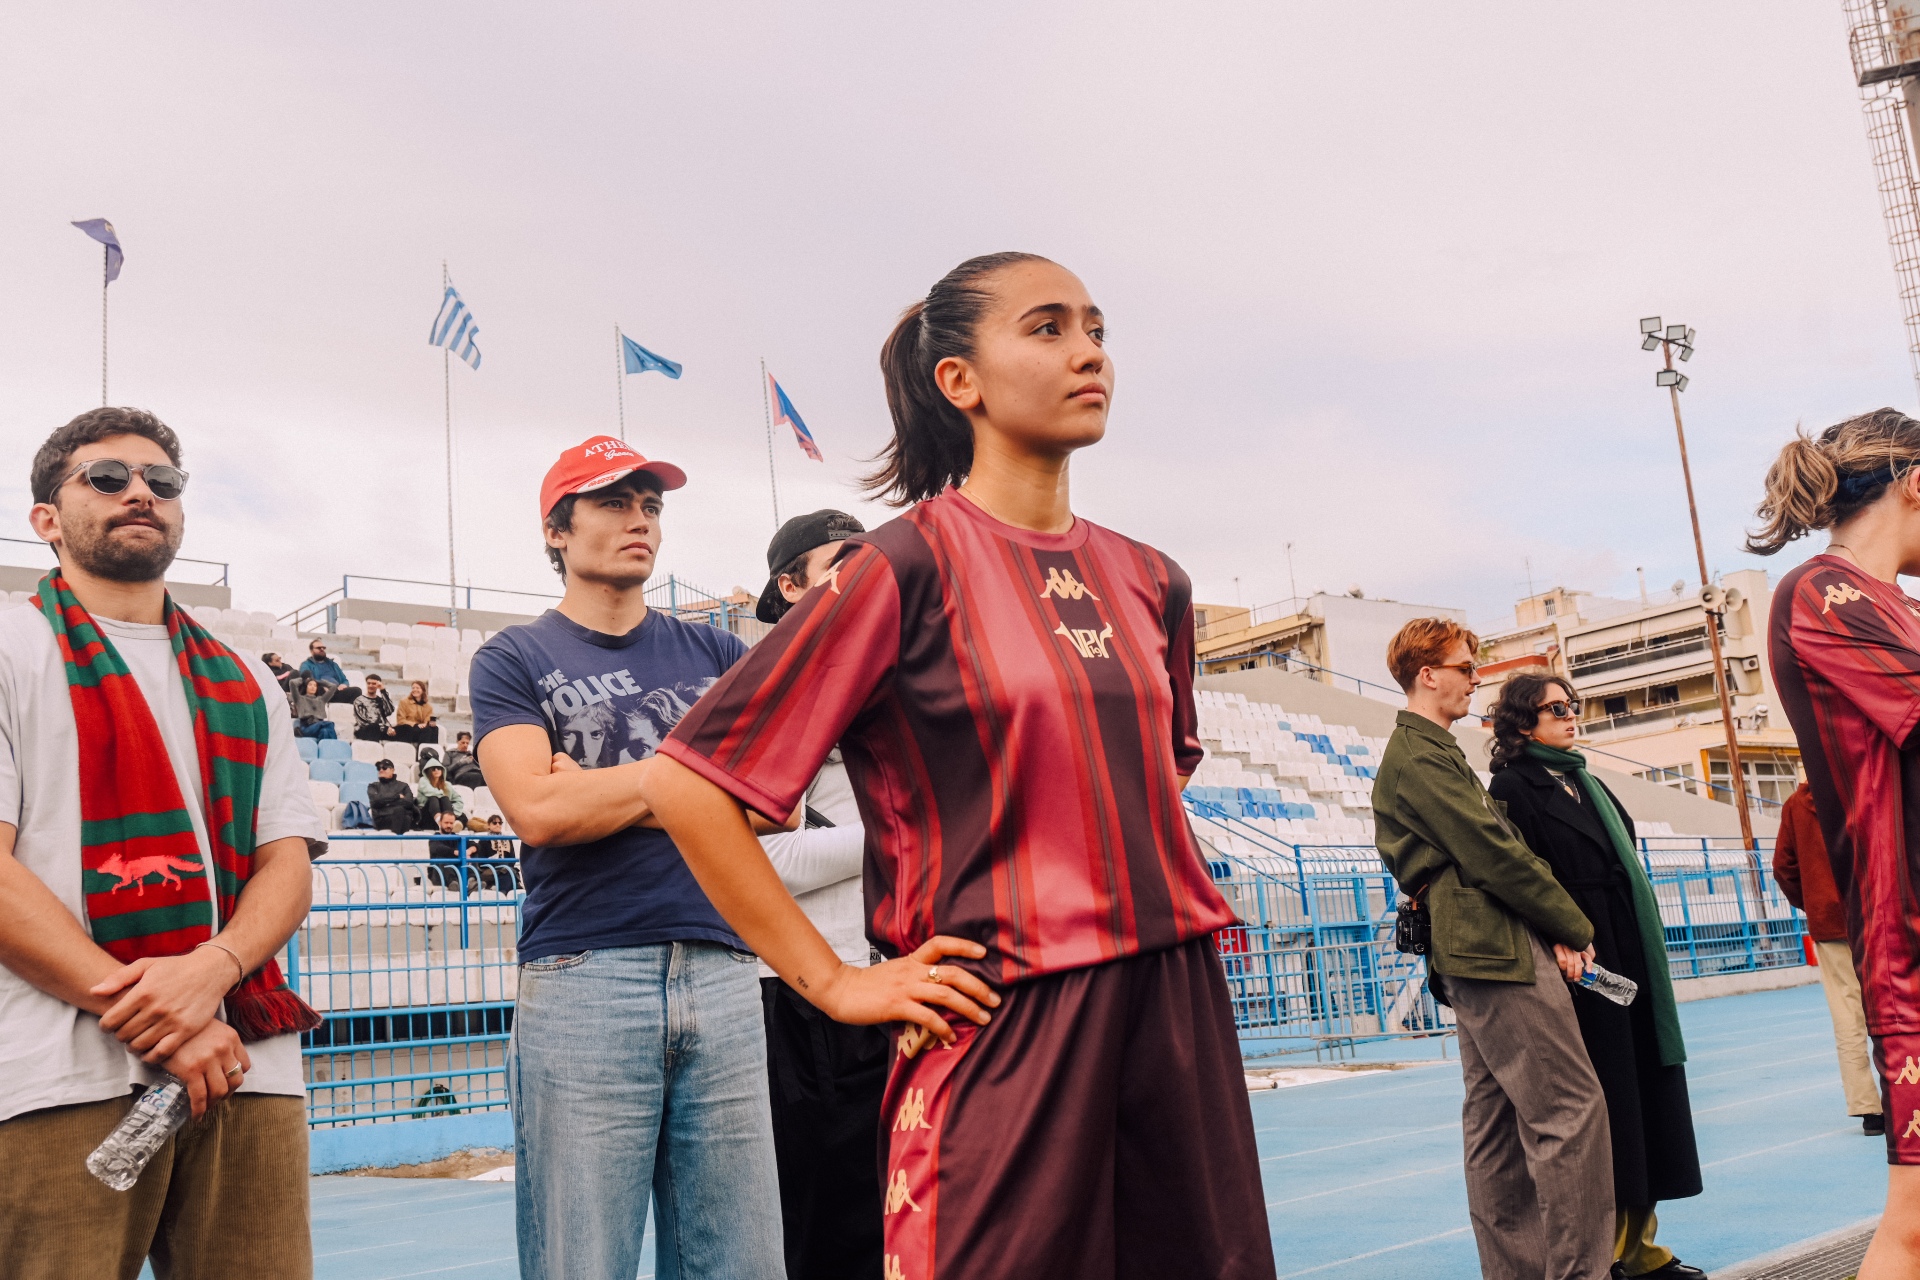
point(410, 958)
point(1312, 965)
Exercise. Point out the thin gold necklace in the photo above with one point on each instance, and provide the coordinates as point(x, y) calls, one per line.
point(981, 503)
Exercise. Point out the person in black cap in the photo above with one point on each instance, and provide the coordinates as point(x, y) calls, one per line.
point(825, 1078)
point(799, 553)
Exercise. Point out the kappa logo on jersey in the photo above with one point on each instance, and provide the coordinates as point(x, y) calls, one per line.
point(1913, 1127)
point(1064, 586)
point(898, 1196)
point(1909, 1074)
point(913, 1111)
point(831, 578)
point(1090, 643)
point(894, 1271)
point(1841, 593)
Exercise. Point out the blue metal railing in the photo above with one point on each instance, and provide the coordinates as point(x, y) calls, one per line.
point(1312, 961)
point(411, 959)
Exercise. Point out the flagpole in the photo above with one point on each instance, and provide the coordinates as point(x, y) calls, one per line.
point(766, 404)
point(620, 380)
point(106, 266)
point(446, 380)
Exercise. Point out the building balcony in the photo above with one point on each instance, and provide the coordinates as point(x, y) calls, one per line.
point(1653, 715)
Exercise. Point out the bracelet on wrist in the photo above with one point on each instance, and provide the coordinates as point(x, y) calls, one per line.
point(232, 955)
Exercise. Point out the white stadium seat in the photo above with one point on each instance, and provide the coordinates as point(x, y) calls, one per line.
point(369, 751)
point(392, 655)
point(446, 640)
point(441, 686)
point(325, 795)
point(470, 636)
point(421, 633)
point(346, 626)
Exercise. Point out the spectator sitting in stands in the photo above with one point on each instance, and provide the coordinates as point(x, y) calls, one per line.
point(391, 801)
point(437, 795)
point(500, 845)
point(321, 667)
point(462, 767)
point(413, 721)
point(371, 711)
point(446, 849)
point(310, 709)
point(288, 677)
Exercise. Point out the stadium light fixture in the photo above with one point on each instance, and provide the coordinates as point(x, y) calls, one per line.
point(1669, 339)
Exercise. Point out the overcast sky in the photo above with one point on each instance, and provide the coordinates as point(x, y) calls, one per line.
point(1373, 271)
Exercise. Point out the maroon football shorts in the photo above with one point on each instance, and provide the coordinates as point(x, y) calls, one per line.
point(1897, 1059)
point(1096, 1128)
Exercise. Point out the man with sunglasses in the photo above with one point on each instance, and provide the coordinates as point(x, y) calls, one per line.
point(123, 954)
point(1539, 1158)
point(319, 666)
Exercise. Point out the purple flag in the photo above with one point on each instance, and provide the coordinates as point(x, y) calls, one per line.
point(102, 230)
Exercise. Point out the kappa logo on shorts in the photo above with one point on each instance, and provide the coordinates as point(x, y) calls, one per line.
point(1064, 586)
point(1913, 1128)
point(912, 1113)
point(893, 1271)
point(1909, 1074)
point(1090, 643)
point(1841, 593)
point(898, 1195)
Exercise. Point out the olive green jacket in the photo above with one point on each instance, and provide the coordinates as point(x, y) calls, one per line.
point(1436, 826)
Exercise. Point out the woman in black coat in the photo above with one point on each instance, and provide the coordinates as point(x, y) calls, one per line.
point(1557, 806)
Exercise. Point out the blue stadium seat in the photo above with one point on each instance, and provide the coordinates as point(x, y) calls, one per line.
point(308, 748)
point(360, 771)
point(335, 749)
point(334, 771)
point(353, 791)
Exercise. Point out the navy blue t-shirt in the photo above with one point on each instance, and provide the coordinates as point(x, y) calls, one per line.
point(604, 700)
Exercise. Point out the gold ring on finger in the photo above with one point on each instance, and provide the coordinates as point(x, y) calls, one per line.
point(933, 975)
point(234, 1073)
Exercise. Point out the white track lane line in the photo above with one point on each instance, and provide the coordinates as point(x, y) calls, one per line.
point(1826, 1083)
point(1746, 1155)
point(1374, 1253)
point(1360, 1142)
point(1356, 1186)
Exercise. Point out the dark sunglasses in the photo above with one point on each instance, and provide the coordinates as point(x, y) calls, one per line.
point(1566, 710)
point(111, 476)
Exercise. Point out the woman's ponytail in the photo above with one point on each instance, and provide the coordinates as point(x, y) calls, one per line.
point(1819, 483)
point(932, 445)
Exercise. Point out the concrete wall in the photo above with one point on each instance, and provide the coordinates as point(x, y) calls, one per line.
point(392, 611)
point(190, 594)
point(1646, 801)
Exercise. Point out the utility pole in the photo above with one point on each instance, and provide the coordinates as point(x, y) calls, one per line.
point(1666, 339)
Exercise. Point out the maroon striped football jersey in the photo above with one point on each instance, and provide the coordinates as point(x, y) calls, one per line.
point(1016, 712)
point(1845, 649)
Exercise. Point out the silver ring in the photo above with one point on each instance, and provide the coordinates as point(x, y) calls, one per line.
point(933, 976)
point(234, 1072)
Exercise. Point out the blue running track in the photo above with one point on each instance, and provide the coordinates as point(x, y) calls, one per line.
point(1362, 1175)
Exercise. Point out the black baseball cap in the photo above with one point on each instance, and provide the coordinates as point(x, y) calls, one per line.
point(797, 537)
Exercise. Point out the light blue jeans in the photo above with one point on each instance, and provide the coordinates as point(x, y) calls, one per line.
point(640, 1069)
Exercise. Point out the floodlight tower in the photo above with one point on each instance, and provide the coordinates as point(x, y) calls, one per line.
point(1884, 38)
point(1667, 339)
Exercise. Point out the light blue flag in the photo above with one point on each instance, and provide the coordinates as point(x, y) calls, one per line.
point(454, 328)
point(641, 360)
point(102, 230)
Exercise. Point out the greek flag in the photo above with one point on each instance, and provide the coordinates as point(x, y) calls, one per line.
point(454, 328)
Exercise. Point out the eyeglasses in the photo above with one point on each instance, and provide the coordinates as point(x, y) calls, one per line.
point(112, 476)
point(1566, 710)
point(1464, 668)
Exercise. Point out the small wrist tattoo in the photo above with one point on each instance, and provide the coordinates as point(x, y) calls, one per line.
point(801, 981)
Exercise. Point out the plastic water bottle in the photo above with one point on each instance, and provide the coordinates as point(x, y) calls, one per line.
point(156, 1114)
point(1605, 982)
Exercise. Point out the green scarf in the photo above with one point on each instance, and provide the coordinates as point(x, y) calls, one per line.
point(1653, 935)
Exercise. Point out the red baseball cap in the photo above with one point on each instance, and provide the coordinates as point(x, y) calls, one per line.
point(596, 463)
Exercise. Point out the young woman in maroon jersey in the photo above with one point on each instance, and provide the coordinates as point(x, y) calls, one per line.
point(1844, 641)
point(1011, 689)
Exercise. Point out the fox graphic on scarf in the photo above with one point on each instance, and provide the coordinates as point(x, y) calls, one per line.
point(134, 820)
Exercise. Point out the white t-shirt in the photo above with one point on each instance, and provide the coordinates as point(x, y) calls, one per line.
point(822, 867)
point(51, 1053)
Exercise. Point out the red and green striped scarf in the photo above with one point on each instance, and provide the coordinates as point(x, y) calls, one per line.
point(142, 873)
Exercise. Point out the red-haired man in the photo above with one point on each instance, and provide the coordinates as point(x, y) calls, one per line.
point(1539, 1160)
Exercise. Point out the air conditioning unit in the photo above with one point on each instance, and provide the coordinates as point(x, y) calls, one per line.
point(1750, 664)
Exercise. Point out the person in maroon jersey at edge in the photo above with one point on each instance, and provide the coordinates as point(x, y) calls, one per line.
point(1844, 641)
point(1011, 689)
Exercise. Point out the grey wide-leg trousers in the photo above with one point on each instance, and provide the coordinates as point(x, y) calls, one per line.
point(1539, 1160)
